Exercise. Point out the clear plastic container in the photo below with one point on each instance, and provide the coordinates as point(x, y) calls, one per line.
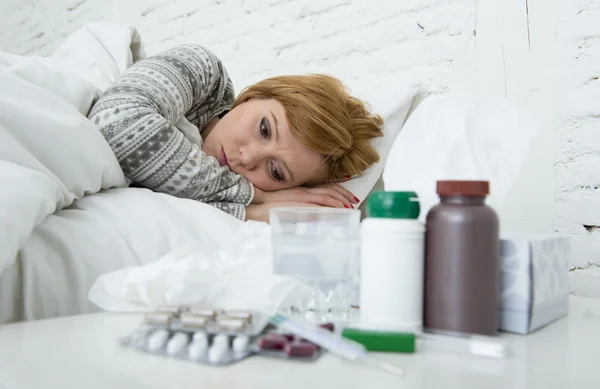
point(320, 247)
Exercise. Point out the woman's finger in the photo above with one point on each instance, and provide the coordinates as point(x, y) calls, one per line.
point(349, 195)
point(331, 193)
point(326, 200)
point(343, 191)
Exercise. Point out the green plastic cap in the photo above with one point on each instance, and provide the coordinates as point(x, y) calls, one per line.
point(393, 205)
point(396, 342)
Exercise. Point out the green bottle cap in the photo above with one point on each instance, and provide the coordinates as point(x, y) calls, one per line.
point(393, 205)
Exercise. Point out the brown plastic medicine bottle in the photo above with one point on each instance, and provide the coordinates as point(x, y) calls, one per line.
point(461, 261)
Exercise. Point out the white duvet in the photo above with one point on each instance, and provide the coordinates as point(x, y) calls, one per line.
point(66, 216)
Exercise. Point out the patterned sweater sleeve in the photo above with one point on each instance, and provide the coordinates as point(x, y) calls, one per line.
point(137, 116)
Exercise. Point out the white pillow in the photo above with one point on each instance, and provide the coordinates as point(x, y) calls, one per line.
point(83, 66)
point(392, 100)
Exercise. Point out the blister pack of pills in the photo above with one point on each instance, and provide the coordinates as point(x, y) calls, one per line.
point(215, 349)
point(205, 336)
point(216, 337)
point(210, 321)
point(283, 345)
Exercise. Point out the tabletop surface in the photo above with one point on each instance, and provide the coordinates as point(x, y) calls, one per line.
point(82, 352)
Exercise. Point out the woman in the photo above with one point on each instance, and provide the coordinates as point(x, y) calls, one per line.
point(284, 141)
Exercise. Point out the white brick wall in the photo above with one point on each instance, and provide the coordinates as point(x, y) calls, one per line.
point(257, 38)
point(577, 161)
point(544, 54)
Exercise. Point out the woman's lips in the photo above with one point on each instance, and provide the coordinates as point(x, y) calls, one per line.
point(222, 158)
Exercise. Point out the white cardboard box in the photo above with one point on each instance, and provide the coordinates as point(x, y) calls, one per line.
point(533, 281)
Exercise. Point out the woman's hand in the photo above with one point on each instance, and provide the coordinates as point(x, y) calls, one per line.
point(328, 195)
point(260, 212)
point(259, 196)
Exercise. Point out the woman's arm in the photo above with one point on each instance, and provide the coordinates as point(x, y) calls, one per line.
point(137, 116)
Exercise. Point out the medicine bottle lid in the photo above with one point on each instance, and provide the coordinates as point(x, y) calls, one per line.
point(463, 188)
point(393, 205)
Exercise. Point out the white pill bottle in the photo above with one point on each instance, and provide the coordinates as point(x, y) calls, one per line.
point(392, 262)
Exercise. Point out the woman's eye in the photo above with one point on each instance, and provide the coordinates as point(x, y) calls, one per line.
point(264, 128)
point(277, 176)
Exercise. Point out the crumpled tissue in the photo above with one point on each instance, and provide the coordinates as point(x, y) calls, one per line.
point(239, 276)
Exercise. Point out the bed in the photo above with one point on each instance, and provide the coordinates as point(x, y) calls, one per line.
point(67, 215)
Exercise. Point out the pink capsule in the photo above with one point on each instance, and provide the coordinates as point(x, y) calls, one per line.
point(328, 327)
point(300, 349)
point(272, 342)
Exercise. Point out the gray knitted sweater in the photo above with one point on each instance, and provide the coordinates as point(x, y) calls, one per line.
point(138, 115)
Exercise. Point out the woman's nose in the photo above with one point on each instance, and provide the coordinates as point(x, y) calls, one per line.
point(250, 156)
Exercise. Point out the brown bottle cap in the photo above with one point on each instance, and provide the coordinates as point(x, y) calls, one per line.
point(463, 188)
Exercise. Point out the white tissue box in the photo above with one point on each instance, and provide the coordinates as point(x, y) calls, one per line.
point(533, 281)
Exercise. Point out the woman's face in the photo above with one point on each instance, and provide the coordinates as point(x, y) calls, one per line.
point(254, 140)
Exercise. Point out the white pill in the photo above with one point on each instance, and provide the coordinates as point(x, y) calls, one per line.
point(197, 349)
point(240, 343)
point(200, 336)
point(202, 341)
point(139, 338)
point(157, 340)
point(177, 343)
point(221, 339)
point(217, 352)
